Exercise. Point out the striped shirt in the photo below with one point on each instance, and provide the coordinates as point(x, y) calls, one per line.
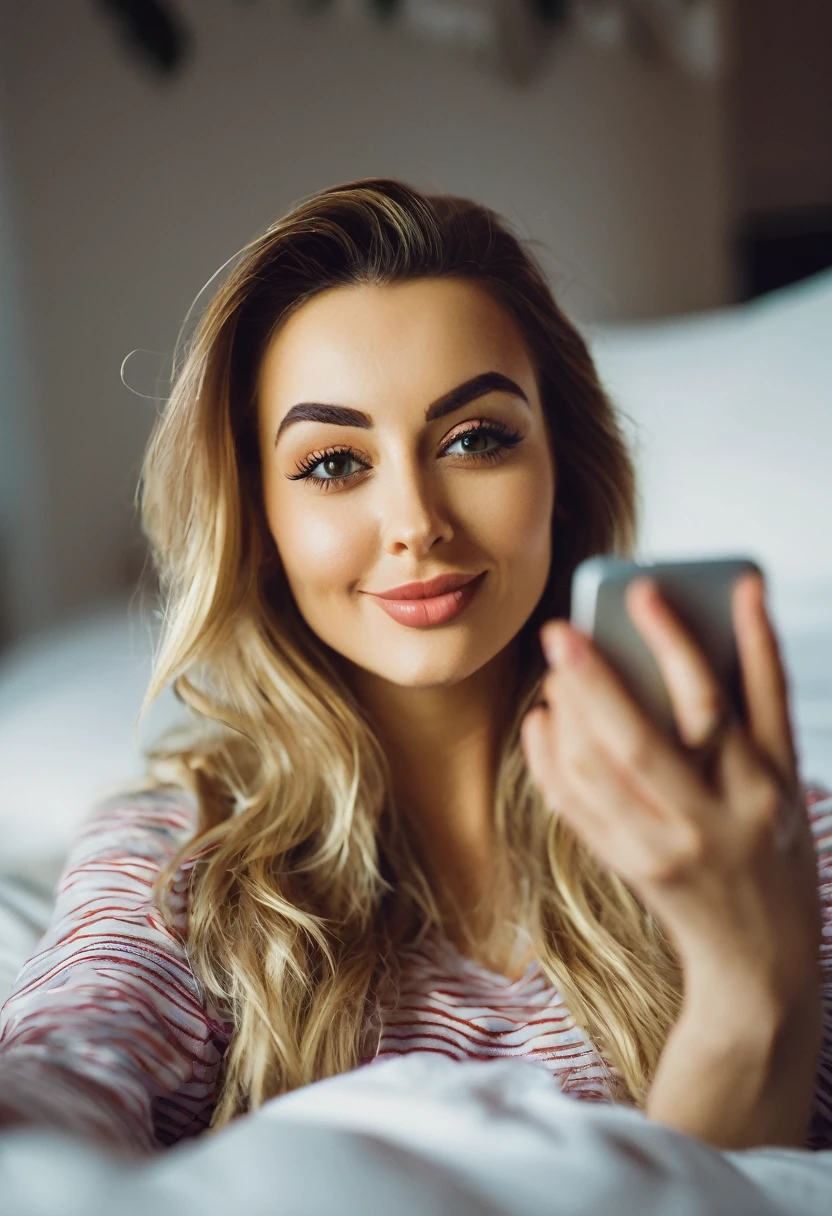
point(109, 1032)
point(452, 1006)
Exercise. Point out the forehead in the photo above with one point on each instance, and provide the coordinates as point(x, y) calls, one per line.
point(362, 338)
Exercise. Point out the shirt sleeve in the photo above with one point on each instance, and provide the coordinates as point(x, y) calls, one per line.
point(107, 1032)
point(819, 806)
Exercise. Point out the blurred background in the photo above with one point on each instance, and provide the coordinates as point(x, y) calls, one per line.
point(671, 158)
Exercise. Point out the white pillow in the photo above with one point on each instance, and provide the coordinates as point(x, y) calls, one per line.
point(67, 703)
point(730, 415)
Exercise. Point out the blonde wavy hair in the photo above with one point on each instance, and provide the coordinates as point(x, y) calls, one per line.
point(305, 887)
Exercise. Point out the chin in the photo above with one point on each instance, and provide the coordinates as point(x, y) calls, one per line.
point(429, 670)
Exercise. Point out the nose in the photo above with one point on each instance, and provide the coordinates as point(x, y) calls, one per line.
point(413, 512)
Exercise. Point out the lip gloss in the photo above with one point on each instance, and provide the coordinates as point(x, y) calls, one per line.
point(436, 609)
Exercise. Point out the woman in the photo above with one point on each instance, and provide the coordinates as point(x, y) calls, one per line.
point(394, 823)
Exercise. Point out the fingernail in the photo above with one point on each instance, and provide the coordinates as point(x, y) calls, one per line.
point(758, 607)
point(649, 592)
point(550, 642)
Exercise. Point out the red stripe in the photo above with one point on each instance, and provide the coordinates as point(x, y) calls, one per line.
point(429, 1010)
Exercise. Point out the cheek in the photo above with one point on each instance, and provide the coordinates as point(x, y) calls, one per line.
point(513, 521)
point(322, 549)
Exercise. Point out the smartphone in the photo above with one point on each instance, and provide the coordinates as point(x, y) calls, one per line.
point(699, 592)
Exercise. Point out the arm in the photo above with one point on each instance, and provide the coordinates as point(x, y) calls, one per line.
point(739, 1068)
point(107, 1032)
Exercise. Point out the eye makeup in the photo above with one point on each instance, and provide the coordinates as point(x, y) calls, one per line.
point(506, 437)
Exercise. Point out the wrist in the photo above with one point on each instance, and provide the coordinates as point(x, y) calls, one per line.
point(741, 999)
point(739, 1072)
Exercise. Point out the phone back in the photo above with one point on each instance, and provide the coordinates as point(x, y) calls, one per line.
point(698, 591)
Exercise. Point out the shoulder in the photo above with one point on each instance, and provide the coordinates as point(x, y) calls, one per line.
point(150, 823)
point(129, 836)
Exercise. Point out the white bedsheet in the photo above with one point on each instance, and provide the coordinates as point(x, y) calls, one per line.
point(421, 1134)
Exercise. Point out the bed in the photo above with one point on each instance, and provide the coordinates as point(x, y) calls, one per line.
point(730, 418)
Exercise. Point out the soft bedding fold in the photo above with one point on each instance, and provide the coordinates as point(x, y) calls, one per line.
point(422, 1134)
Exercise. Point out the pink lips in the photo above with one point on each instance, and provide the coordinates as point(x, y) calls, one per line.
point(413, 607)
point(431, 586)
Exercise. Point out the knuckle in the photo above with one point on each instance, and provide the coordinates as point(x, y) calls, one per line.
point(548, 686)
point(688, 854)
point(573, 772)
point(707, 707)
point(770, 802)
point(765, 798)
point(637, 750)
point(766, 808)
point(582, 764)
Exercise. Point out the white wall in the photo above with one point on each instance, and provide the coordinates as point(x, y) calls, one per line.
point(132, 190)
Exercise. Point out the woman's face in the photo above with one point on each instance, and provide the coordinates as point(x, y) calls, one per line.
point(393, 496)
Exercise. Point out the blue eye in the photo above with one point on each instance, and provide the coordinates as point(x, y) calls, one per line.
point(506, 437)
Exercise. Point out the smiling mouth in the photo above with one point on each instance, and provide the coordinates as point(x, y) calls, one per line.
point(431, 610)
point(430, 588)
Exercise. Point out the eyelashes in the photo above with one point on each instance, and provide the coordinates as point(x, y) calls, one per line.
point(506, 436)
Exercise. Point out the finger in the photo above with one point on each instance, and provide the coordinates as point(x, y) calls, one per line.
point(541, 738)
point(765, 684)
point(605, 803)
point(665, 776)
point(697, 697)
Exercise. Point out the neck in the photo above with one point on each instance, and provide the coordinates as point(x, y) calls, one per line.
point(443, 743)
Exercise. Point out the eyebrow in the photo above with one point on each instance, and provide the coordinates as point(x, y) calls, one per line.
point(454, 399)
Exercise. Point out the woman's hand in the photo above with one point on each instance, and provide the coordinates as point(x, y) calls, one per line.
point(726, 863)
